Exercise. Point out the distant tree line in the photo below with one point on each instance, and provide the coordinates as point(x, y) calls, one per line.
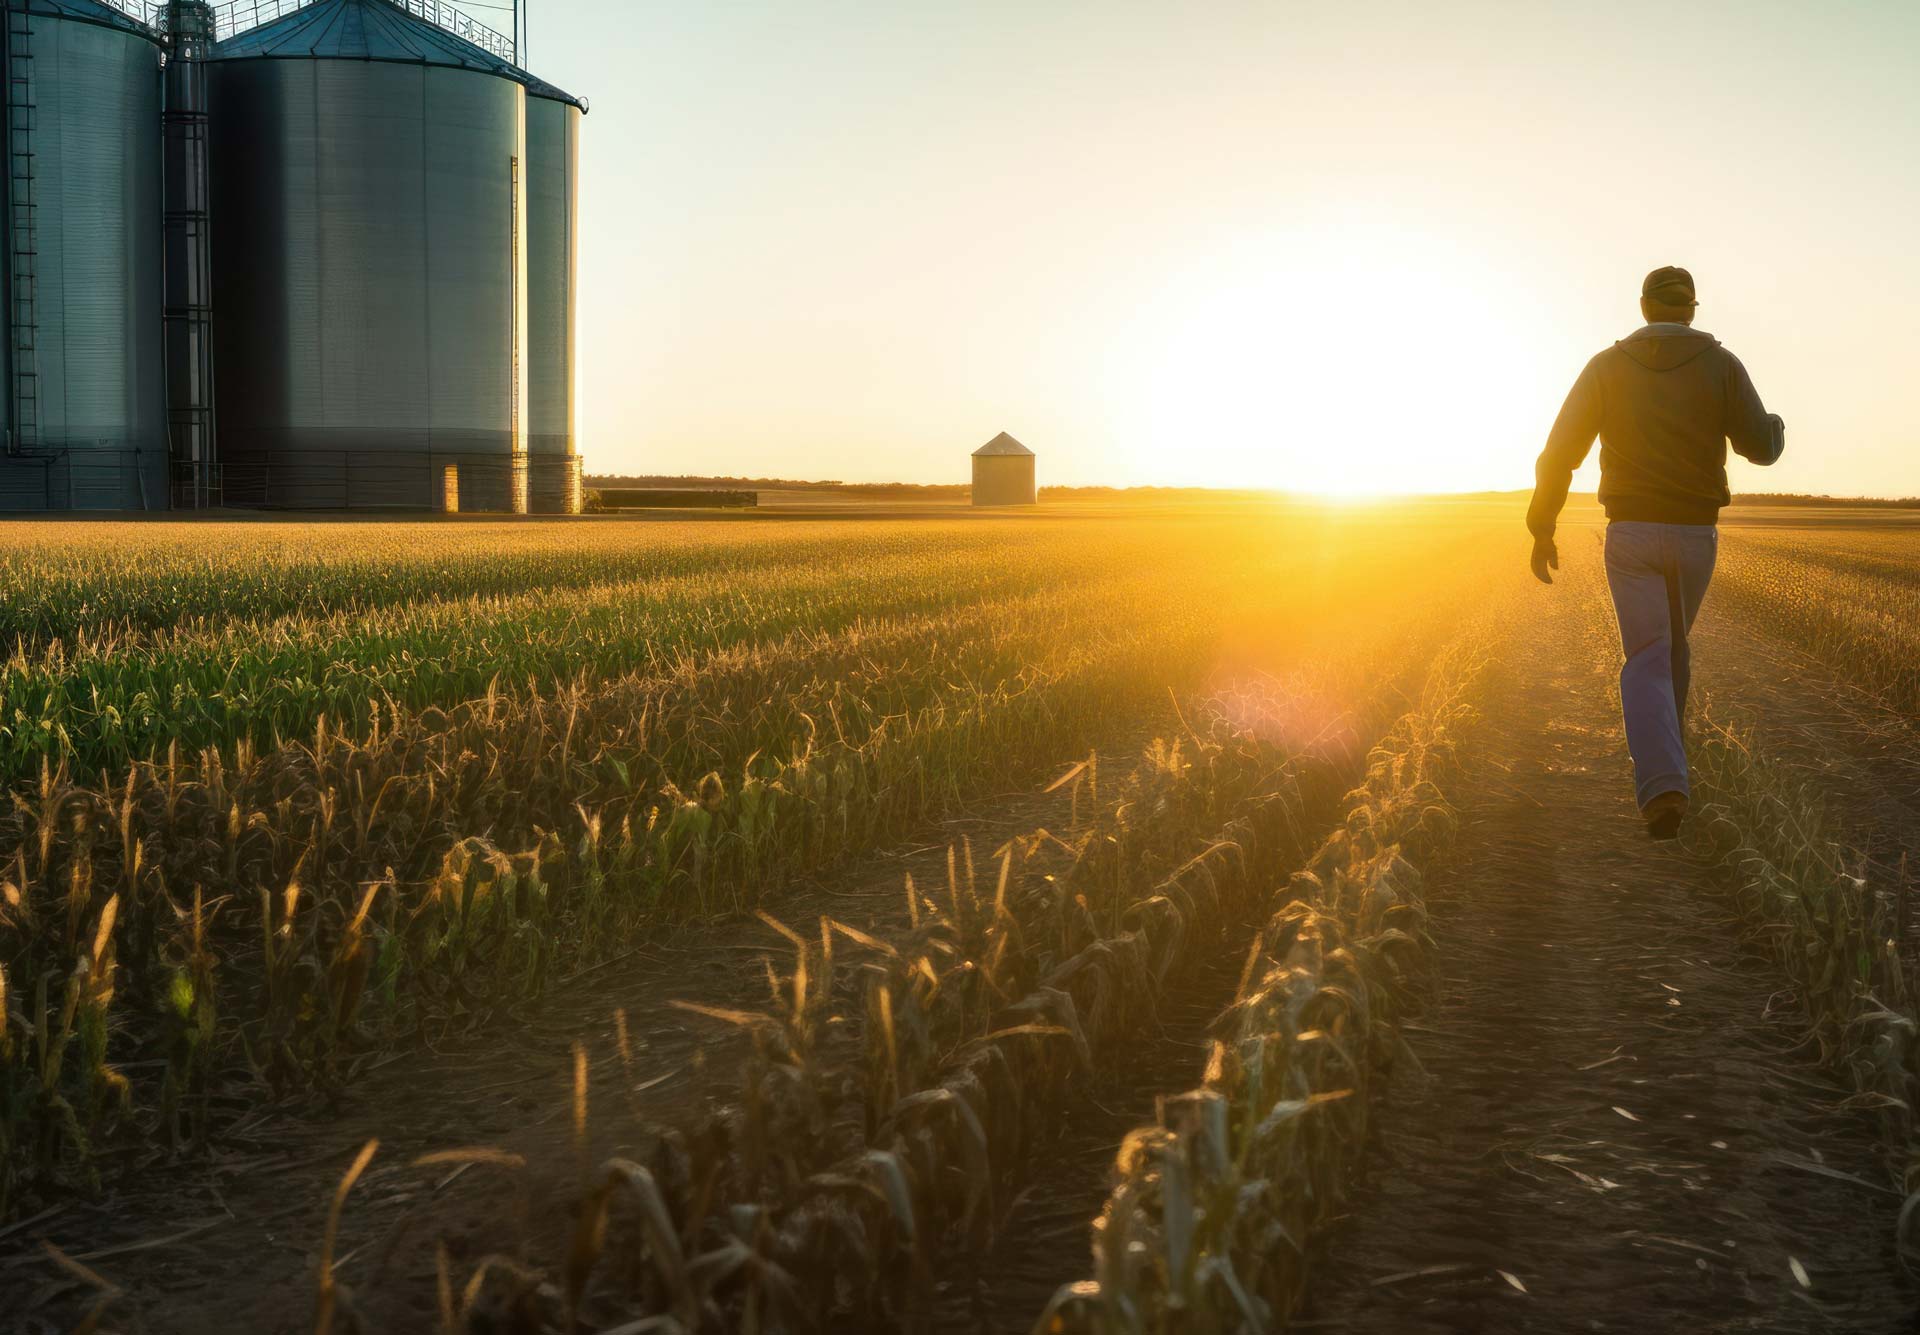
point(903, 491)
point(885, 491)
point(1801, 498)
point(875, 490)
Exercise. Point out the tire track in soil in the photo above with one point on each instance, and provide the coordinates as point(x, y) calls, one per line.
point(1618, 1111)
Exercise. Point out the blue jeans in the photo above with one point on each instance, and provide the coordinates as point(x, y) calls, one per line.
point(1658, 574)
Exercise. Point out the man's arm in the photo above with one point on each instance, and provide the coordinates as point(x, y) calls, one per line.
point(1567, 446)
point(1757, 435)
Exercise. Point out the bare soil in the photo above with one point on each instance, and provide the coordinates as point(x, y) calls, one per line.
point(1621, 1129)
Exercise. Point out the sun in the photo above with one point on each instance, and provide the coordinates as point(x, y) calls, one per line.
point(1354, 362)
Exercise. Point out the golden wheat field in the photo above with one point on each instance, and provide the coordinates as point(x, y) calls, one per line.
point(1136, 918)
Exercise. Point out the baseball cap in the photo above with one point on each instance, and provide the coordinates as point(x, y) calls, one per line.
point(1670, 286)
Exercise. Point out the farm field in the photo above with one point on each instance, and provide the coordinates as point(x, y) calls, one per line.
point(1125, 917)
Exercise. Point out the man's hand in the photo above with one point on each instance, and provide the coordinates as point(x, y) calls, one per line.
point(1546, 557)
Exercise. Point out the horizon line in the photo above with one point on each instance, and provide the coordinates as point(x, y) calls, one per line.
point(776, 484)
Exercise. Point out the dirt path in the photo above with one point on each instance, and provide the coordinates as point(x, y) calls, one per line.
point(228, 1242)
point(1618, 1114)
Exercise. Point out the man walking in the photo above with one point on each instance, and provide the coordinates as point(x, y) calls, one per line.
point(1664, 401)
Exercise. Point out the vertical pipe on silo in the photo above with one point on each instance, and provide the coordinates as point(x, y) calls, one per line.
point(189, 257)
point(552, 219)
point(520, 464)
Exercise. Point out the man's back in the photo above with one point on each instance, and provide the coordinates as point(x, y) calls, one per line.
point(1665, 401)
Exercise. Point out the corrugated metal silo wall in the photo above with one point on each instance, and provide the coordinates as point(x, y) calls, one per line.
point(100, 440)
point(1003, 479)
point(553, 157)
point(370, 281)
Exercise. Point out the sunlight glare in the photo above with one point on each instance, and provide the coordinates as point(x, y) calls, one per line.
point(1357, 361)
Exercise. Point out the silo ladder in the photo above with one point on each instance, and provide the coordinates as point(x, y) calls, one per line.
point(23, 248)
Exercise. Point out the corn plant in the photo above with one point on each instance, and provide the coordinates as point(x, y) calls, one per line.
point(1833, 923)
point(1209, 1226)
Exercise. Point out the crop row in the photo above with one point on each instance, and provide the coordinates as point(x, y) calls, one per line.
point(97, 705)
point(821, 1197)
point(319, 901)
point(273, 917)
point(1835, 926)
point(121, 583)
point(851, 1164)
point(1209, 1225)
point(1853, 607)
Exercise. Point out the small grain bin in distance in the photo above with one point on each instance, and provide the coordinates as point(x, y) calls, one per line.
point(85, 376)
point(1003, 473)
point(553, 204)
point(370, 277)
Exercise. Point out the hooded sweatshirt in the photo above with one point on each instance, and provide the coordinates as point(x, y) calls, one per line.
point(1664, 401)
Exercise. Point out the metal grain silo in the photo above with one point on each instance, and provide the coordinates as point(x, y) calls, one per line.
point(553, 201)
point(85, 375)
point(370, 265)
point(1003, 473)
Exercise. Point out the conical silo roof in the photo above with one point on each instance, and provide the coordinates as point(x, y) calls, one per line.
point(375, 30)
point(1001, 444)
point(360, 30)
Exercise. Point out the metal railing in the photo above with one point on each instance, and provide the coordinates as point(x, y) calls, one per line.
point(237, 16)
point(136, 9)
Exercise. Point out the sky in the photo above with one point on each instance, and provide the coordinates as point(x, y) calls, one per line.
point(1344, 247)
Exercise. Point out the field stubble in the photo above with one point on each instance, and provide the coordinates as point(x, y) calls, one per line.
point(417, 782)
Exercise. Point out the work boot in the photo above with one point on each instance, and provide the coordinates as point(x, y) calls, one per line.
point(1664, 813)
